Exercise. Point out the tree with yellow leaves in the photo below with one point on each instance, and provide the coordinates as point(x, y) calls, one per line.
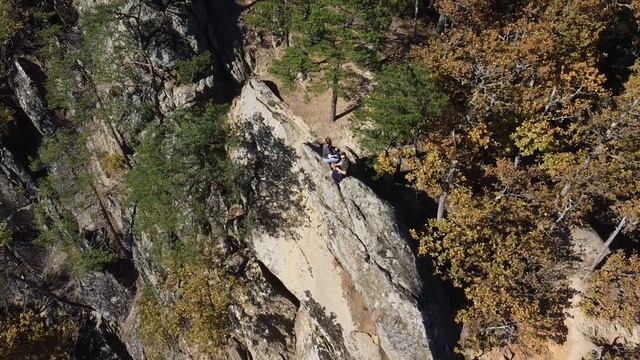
point(497, 250)
point(613, 289)
point(536, 140)
point(191, 304)
point(28, 335)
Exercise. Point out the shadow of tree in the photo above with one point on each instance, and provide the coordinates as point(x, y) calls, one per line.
point(335, 347)
point(274, 183)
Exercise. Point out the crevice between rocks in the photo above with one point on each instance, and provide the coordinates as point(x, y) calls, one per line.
point(372, 260)
point(277, 285)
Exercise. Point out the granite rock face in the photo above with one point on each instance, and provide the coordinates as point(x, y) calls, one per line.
point(338, 249)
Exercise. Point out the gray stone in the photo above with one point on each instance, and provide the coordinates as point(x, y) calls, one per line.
point(103, 293)
point(264, 320)
point(217, 29)
point(336, 247)
point(17, 185)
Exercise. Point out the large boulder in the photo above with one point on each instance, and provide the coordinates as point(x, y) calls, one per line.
point(338, 249)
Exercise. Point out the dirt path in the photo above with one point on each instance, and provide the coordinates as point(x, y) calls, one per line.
point(311, 107)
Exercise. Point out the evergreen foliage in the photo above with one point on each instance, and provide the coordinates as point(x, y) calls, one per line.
point(103, 57)
point(76, 74)
point(64, 233)
point(9, 19)
point(514, 123)
point(70, 186)
point(330, 38)
point(406, 102)
point(5, 234)
point(178, 165)
point(276, 17)
point(193, 68)
point(294, 62)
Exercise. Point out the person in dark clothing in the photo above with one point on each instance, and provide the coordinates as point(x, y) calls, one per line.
point(341, 169)
point(329, 153)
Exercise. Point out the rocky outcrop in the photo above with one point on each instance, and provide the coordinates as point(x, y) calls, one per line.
point(17, 186)
point(326, 272)
point(263, 316)
point(26, 80)
point(338, 249)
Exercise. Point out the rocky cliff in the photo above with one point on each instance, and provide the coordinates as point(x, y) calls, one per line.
point(337, 249)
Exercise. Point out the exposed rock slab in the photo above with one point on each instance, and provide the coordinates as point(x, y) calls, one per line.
point(29, 94)
point(337, 249)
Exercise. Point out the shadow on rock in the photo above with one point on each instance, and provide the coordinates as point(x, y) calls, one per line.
point(216, 28)
point(274, 185)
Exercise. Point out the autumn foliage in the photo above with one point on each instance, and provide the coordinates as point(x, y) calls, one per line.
point(541, 134)
point(613, 290)
point(29, 335)
point(189, 306)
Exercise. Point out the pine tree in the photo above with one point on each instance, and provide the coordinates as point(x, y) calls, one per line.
point(9, 19)
point(276, 17)
point(405, 103)
point(330, 37)
point(177, 164)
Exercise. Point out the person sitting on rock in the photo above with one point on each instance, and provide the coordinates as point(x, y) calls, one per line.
point(329, 153)
point(341, 169)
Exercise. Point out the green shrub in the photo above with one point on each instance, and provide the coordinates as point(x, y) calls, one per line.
point(194, 68)
point(176, 166)
point(9, 19)
point(5, 234)
point(404, 101)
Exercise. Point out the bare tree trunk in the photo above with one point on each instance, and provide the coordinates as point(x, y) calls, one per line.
point(334, 98)
point(608, 242)
point(441, 203)
point(416, 5)
point(442, 21)
point(445, 190)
